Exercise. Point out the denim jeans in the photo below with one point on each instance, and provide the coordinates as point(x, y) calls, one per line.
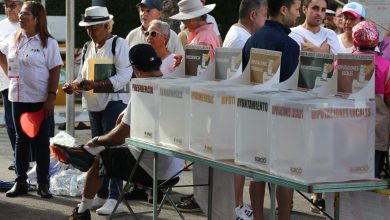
point(101, 123)
point(9, 121)
point(23, 142)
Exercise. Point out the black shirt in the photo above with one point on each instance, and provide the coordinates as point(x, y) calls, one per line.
point(274, 36)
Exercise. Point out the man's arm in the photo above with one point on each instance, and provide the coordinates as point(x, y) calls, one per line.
point(115, 137)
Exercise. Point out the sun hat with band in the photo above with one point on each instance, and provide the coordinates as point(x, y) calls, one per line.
point(355, 9)
point(189, 9)
point(95, 15)
point(365, 34)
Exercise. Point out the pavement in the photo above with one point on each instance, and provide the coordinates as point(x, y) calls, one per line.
point(33, 207)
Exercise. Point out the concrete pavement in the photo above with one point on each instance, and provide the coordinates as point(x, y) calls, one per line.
point(33, 207)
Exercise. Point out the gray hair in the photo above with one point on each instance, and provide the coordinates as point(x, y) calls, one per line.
point(109, 25)
point(163, 26)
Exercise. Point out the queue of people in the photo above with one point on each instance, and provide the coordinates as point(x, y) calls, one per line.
point(30, 60)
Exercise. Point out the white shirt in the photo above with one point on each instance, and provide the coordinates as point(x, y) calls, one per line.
point(236, 37)
point(167, 166)
point(209, 19)
point(34, 65)
point(343, 48)
point(136, 36)
point(7, 28)
point(299, 33)
point(98, 101)
point(166, 65)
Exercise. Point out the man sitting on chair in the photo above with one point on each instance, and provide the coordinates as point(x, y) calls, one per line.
point(118, 162)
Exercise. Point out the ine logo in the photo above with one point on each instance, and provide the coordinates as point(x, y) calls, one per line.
point(208, 148)
point(148, 134)
point(177, 140)
point(261, 160)
point(296, 170)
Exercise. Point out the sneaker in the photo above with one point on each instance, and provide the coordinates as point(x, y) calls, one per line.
point(12, 166)
point(320, 203)
point(244, 212)
point(186, 198)
point(136, 194)
point(97, 202)
point(109, 206)
point(188, 206)
point(80, 216)
point(76, 156)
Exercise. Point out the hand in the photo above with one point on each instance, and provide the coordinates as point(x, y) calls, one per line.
point(48, 105)
point(87, 85)
point(71, 88)
point(92, 142)
point(307, 45)
point(177, 61)
point(325, 47)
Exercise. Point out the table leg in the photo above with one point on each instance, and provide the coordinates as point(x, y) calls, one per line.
point(210, 196)
point(272, 195)
point(155, 186)
point(336, 206)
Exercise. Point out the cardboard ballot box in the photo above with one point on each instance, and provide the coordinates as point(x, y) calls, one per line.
point(253, 127)
point(174, 101)
point(213, 120)
point(322, 139)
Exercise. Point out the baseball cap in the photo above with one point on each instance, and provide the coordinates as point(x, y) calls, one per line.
point(151, 4)
point(329, 11)
point(365, 34)
point(144, 57)
point(355, 9)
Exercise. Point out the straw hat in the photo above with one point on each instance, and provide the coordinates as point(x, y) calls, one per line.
point(95, 15)
point(189, 9)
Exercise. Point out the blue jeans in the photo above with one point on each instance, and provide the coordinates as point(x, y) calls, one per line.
point(9, 121)
point(23, 142)
point(101, 123)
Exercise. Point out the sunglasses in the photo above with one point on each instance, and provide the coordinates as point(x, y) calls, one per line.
point(151, 33)
point(23, 13)
point(12, 5)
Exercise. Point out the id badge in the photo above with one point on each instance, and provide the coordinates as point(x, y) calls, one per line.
point(13, 67)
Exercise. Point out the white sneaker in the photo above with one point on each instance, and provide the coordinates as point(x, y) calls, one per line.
point(96, 203)
point(244, 212)
point(109, 206)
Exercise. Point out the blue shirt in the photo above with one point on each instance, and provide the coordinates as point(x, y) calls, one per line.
point(274, 36)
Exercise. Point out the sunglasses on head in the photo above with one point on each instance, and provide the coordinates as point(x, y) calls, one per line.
point(151, 33)
point(13, 5)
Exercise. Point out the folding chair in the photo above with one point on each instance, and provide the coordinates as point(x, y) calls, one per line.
point(164, 185)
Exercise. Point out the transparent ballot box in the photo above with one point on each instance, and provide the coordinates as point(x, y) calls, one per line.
point(174, 101)
point(213, 120)
point(322, 139)
point(253, 134)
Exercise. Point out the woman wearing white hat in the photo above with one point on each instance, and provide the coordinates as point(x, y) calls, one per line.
point(106, 97)
point(193, 14)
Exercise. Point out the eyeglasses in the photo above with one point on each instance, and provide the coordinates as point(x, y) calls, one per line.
point(151, 33)
point(24, 13)
point(12, 6)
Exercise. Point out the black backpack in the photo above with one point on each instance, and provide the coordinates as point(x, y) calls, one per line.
point(85, 47)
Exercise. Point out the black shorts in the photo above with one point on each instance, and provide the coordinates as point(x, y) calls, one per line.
point(118, 163)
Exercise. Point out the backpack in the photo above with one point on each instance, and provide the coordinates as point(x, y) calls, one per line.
point(85, 47)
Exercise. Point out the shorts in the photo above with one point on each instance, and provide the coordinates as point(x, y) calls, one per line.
point(118, 163)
